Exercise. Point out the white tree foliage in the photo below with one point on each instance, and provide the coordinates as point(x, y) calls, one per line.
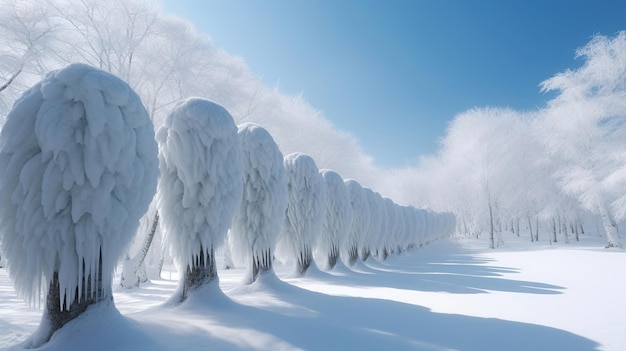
point(200, 185)
point(78, 168)
point(360, 220)
point(305, 211)
point(587, 126)
point(337, 219)
point(258, 221)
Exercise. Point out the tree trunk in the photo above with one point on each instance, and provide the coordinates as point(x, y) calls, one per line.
point(554, 230)
point(260, 263)
point(58, 314)
point(203, 271)
point(12, 78)
point(530, 229)
point(492, 244)
point(610, 225)
point(537, 228)
point(353, 255)
point(130, 276)
point(333, 256)
point(304, 261)
point(365, 254)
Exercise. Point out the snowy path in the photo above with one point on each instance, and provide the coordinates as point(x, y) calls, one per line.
point(442, 297)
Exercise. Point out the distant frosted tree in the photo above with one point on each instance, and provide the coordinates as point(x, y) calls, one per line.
point(360, 220)
point(200, 187)
point(371, 224)
point(134, 270)
point(305, 210)
point(337, 218)
point(78, 168)
point(258, 220)
point(585, 127)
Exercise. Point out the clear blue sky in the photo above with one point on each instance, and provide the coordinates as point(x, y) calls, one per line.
point(395, 72)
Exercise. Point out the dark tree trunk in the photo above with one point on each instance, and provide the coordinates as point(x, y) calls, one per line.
point(353, 255)
point(530, 229)
point(304, 261)
point(202, 272)
point(262, 263)
point(333, 256)
point(12, 78)
point(58, 314)
point(365, 254)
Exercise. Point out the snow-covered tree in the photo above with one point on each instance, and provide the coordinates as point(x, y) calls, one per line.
point(586, 125)
point(360, 220)
point(27, 34)
point(305, 211)
point(200, 187)
point(372, 223)
point(78, 168)
point(134, 268)
point(337, 219)
point(258, 220)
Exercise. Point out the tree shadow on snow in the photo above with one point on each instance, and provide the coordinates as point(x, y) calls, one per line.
point(276, 315)
point(458, 273)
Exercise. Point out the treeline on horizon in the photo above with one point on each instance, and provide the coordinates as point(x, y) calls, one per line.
point(531, 171)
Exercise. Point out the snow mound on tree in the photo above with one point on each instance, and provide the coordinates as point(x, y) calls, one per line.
point(201, 177)
point(305, 207)
point(259, 218)
point(78, 167)
point(337, 215)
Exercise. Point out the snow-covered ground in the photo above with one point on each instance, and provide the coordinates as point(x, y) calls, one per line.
point(450, 295)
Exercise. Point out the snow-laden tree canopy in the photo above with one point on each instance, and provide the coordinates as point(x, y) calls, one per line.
point(201, 179)
point(360, 220)
point(337, 219)
point(257, 222)
point(305, 210)
point(78, 168)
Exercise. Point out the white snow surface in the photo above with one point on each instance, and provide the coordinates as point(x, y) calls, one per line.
point(201, 177)
point(449, 295)
point(78, 168)
point(260, 215)
point(306, 200)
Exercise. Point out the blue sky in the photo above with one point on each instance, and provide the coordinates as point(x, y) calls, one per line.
point(394, 73)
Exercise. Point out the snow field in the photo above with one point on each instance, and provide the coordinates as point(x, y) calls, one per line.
point(449, 295)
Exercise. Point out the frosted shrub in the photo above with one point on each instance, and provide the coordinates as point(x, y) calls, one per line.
point(305, 210)
point(78, 168)
point(337, 218)
point(261, 213)
point(200, 187)
point(360, 220)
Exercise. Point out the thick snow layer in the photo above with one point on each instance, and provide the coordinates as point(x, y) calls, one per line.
point(260, 215)
point(337, 216)
point(445, 296)
point(201, 177)
point(360, 218)
point(78, 168)
point(305, 208)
